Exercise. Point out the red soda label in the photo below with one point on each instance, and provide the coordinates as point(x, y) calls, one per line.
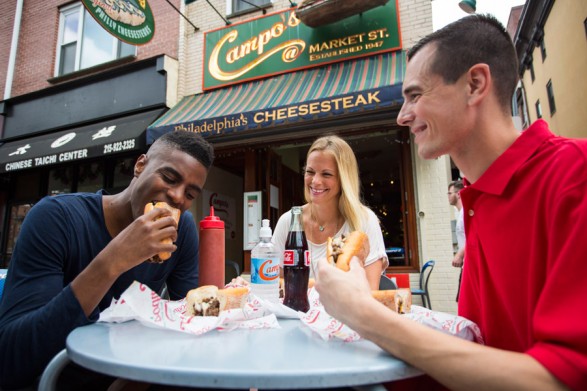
point(307, 257)
point(289, 258)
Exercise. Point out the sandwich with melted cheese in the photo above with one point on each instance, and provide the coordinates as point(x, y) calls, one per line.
point(398, 300)
point(340, 250)
point(208, 300)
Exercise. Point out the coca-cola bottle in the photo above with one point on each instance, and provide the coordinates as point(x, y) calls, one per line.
point(296, 264)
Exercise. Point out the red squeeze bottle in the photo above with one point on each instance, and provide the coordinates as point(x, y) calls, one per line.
point(211, 251)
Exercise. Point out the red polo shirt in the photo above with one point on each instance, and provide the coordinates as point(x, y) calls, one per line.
point(525, 276)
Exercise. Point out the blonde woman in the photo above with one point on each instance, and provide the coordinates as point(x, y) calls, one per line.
point(334, 206)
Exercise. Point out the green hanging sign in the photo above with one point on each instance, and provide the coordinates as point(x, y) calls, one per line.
point(131, 21)
point(280, 43)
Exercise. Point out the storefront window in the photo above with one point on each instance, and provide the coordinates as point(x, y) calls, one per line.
point(27, 186)
point(83, 43)
point(90, 177)
point(17, 215)
point(123, 174)
point(240, 6)
point(383, 185)
point(60, 181)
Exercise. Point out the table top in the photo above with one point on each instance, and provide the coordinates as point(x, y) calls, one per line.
point(289, 357)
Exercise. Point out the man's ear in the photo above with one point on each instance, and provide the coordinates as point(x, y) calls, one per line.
point(479, 82)
point(140, 165)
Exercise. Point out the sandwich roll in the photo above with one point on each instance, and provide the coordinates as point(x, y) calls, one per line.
point(176, 214)
point(340, 250)
point(233, 297)
point(208, 300)
point(398, 300)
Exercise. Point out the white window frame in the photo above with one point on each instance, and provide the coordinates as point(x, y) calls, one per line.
point(229, 8)
point(70, 10)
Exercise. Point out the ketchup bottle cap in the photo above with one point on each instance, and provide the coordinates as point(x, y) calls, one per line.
point(211, 221)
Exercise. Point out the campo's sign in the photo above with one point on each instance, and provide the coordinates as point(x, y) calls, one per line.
point(131, 21)
point(280, 43)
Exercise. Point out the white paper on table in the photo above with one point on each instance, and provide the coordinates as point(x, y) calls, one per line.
point(316, 318)
point(270, 307)
point(447, 323)
point(140, 303)
point(328, 327)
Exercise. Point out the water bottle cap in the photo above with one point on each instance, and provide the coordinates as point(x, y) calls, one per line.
point(265, 231)
point(211, 221)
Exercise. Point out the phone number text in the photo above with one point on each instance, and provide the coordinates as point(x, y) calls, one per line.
point(119, 146)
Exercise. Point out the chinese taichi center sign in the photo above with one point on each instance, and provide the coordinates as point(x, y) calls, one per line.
point(131, 21)
point(280, 43)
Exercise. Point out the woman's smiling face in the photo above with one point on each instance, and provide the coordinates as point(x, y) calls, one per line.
point(321, 177)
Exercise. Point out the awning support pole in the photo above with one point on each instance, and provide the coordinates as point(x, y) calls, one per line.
point(179, 12)
point(219, 14)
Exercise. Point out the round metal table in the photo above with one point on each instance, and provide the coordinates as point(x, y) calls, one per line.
point(288, 357)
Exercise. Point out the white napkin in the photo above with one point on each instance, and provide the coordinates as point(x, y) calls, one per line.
point(140, 303)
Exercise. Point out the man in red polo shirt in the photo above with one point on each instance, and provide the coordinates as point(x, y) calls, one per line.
point(525, 210)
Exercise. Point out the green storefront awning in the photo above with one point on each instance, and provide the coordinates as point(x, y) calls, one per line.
point(361, 85)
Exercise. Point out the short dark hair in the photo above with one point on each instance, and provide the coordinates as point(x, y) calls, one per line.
point(472, 40)
point(458, 185)
point(191, 143)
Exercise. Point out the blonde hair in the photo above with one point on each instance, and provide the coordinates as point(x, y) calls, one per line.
point(350, 203)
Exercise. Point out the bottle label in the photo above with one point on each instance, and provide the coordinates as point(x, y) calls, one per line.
point(264, 270)
point(291, 258)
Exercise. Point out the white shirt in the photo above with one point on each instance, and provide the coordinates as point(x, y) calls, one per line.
point(460, 229)
point(318, 250)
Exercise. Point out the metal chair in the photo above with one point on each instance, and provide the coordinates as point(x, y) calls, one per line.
point(424, 277)
point(386, 283)
point(52, 371)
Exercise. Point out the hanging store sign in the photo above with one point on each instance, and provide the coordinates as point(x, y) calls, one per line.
point(280, 43)
point(131, 21)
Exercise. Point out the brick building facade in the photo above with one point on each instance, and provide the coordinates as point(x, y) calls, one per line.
point(421, 223)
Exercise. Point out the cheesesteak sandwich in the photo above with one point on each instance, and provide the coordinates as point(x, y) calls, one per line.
point(208, 300)
point(340, 250)
point(398, 300)
point(176, 214)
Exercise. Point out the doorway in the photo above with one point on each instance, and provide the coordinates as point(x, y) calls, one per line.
point(384, 160)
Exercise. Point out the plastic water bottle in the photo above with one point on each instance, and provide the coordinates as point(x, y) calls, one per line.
point(265, 264)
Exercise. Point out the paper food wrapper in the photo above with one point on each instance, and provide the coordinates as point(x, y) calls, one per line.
point(316, 318)
point(140, 303)
point(447, 323)
point(328, 327)
point(266, 306)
